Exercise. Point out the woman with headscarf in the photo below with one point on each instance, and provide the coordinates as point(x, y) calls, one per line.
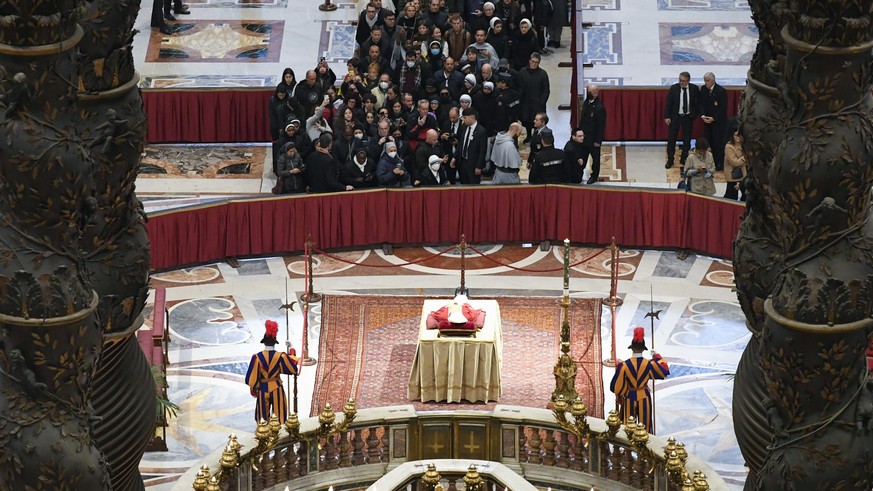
point(524, 44)
point(497, 38)
point(391, 172)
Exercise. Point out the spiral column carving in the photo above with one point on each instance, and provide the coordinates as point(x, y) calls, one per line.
point(77, 397)
point(803, 396)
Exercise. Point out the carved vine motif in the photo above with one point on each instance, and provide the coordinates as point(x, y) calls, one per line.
point(805, 244)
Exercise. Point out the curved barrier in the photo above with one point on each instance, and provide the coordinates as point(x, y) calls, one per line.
point(358, 448)
point(636, 217)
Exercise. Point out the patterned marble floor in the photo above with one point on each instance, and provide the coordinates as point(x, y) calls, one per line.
point(217, 311)
point(217, 315)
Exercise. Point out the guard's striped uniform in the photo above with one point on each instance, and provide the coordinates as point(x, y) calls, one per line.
point(263, 378)
point(631, 385)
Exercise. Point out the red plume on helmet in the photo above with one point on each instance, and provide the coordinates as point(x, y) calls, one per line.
point(639, 339)
point(270, 332)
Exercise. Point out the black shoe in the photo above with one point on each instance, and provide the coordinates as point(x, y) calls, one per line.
point(592, 180)
point(669, 164)
point(169, 17)
point(182, 10)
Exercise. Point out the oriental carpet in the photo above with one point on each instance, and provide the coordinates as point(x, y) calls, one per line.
point(367, 344)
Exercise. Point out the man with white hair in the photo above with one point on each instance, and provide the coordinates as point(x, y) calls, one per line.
point(713, 112)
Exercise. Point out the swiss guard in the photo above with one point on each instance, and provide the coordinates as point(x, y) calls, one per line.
point(263, 376)
point(631, 381)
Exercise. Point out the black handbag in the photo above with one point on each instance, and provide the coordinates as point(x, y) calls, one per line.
point(737, 173)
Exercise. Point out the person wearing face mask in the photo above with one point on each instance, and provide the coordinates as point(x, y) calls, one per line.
point(432, 54)
point(434, 174)
point(391, 172)
point(410, 77)
point(360, 172)
point(347, 145)
point(380, 91)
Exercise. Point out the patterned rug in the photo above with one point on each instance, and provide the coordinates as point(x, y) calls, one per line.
point(367, 344)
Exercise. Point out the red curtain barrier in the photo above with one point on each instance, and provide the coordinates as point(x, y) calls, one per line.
point(207, 115)
point(589, 215)
point(637, 114)
point(240, 115)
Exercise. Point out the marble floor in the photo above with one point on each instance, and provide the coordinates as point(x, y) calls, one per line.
point(217, 314)
point(217, 311)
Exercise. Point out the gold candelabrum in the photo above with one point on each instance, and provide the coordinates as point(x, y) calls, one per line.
point(327, 419)
point(565, 369)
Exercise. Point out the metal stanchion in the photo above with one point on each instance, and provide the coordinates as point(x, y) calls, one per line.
point(309, 296)
point(327, 6)
point(613, 301)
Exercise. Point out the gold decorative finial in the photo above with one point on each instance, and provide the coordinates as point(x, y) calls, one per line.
point(213, 485)
point(675, 468)
point(350, 410)
point(640, 437)
point(262, 433)
point(472, 479)
point(699, 480)
point(680, 451)
point(275, 426)
point(292, 426)
point(202, 479)
point(687, 485)
point(229, 458)
point(629, 427)
point(613, 422)
point(326, 417)
point(431, 478)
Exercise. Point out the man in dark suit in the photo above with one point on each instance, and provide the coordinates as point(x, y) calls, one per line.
point(323, 169)
point(593, 125)
point(472, 147)
point(713, 111)
point(679, 113)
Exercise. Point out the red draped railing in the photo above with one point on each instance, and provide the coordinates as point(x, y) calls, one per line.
point(590, 215)
point(207, 115)
point(240, 115)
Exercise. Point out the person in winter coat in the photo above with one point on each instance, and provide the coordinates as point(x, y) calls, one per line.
point(291, 170)
point(391, 172)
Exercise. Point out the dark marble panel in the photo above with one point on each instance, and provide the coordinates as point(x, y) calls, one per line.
point(251, 267)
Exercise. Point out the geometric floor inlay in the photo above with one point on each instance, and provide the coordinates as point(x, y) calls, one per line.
point(218, 40)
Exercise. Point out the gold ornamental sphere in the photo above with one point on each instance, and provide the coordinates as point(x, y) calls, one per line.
point(431, 477)
point(350, 410)
point(235, 443)
point(613, 423)
point(579, 410)
point(680, 450)
point(263, 430)
point(292, 425)
point(699, 480)
point(228, 458)
point(275, 426)
point(326, 417)
point(213, 485)
point(629, 427)
point(201, 480)
point(641, 436)
point(687, 485)
point(560, 403)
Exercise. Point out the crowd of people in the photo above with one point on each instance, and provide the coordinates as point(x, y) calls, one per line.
point(722, 147)
point(438, 93)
